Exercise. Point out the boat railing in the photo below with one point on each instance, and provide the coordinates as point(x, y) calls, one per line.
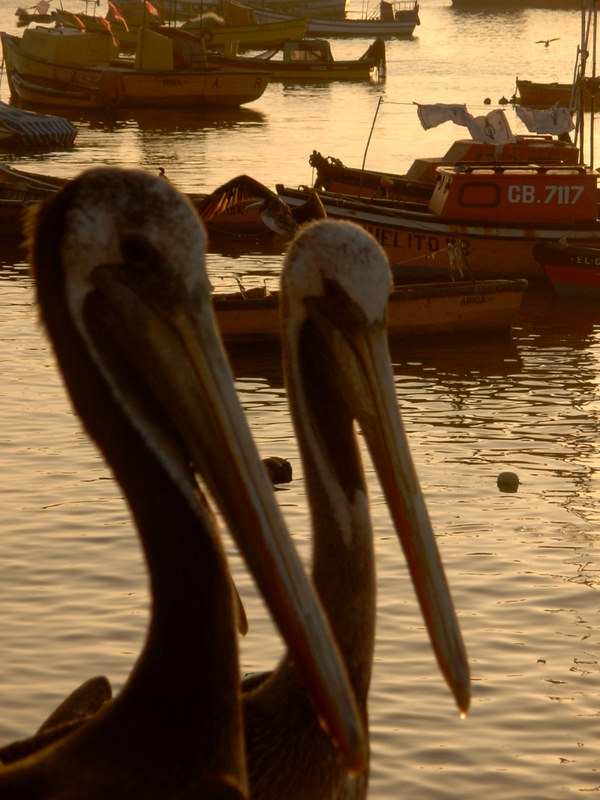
point(512, 167)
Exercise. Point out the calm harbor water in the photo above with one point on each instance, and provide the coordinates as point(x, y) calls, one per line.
point(523, 567)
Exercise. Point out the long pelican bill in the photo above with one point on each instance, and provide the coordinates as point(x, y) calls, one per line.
point(172, 342)
point(364, 370)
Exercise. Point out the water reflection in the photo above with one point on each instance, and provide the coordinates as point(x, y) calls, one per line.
point(177, 120)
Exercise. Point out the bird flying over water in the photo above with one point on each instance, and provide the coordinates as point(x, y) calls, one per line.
point(546, 42)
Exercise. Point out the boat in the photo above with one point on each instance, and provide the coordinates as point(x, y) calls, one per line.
point(63, 67)
point(397, 19)
point(236, 38)
point(417, 184)
point(184, 10)
point(573, 270)
point(242, 208)
point(505, 5)
point(497, 212)
point(537, 94)
point(419, 310)
point(308, 60)
point(22, 130)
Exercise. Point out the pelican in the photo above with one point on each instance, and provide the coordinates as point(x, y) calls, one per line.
point(243, 193)
point(126, 305)
point(334, 289)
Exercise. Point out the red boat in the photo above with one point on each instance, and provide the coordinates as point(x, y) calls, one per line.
point(574, 271)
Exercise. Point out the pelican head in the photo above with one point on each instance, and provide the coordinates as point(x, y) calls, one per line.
point(335, 286)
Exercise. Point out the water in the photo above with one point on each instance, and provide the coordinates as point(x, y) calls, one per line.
point(523, 567)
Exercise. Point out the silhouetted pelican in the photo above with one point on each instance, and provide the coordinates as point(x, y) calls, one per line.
point(230, 203)
point(334, 290)
point(126, 304)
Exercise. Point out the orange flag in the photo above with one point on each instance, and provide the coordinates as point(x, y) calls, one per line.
point(106, 24)
point(79, 22)
point(117, 14)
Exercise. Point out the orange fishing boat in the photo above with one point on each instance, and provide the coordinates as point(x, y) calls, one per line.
point(419, 181)
point(497, 213)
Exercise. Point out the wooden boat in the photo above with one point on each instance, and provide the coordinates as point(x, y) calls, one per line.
point(496, 212)
point(183, 10)
point(418, 182)
point(233, 38)
point(309, 60)
point(241, 208)
point(537, 94)
point(51, 67)
point(573, 270)
point(504, 5)
point(25, 130)
point(416, 310)
point(396, 19)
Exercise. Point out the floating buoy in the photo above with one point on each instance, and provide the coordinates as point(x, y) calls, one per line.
point(508, 482)
point(487, 101)
point(279, 469)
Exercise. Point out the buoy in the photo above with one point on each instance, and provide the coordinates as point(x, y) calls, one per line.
point(279, 469)
point(508, 482)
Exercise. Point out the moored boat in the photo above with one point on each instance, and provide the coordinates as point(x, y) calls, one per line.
point(241, 208)
point(308, 60)
point(573, 270)
point(540, 94)
point(419, 181)
point(396, 19)
point(60, 68)
point(496, 212)
point(417, 310)
point(26, 130)
point(233, 38)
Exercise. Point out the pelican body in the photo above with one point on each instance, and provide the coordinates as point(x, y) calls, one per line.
point(118, 261)
point(334, 289)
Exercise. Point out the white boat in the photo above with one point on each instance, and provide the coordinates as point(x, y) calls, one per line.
point(398, 19)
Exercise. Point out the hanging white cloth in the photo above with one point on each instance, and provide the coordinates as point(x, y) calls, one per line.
point(555, 120)
point(492, 127)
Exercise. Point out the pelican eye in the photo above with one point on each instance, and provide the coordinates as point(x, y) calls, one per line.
point(138, 252)
point(343, 311)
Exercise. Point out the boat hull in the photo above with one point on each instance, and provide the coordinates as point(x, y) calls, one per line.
point(413, 311)
point(420, 245)
point(574, 272)
point(42, 83)
point(229, 38)
point(368, 28)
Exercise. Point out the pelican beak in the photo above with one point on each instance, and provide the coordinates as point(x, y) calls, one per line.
point(172, 341)
point(367, 384)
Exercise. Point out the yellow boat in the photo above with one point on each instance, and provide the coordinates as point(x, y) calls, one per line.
point(413, 310)
point(60, 67)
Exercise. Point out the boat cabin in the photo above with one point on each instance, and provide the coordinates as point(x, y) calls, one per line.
point(526, 149)
point(526, 194)
point(301, 50)
point(68, 46)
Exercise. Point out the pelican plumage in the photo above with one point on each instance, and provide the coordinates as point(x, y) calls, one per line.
point(127, 308)
point(334, 289)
